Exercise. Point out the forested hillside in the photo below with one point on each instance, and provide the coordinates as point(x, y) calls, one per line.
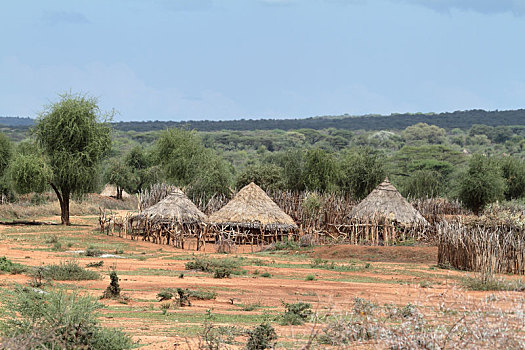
point(449, 120)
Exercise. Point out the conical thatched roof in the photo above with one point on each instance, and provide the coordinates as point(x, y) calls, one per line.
point(111, 191)
point(252, 208)
point(175, 208)
point(386, 202)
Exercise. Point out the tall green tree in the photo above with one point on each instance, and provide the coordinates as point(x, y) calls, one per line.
point(186, 162)
point(74, 135)
point(181, 154)
point(214, 176)
point(120, 175)
point(320, 170)
point(481, 184)
point(514, 174)
point(424, 184)
point(361, 170)
point(267, 176)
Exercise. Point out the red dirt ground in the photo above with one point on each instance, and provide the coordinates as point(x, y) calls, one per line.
point(396, 275)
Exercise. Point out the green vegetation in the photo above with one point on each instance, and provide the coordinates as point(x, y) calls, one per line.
point(296, 313)
point(424, 155)
point(261, 337)
point(56, 320)
point(8, 266)
point(482, 183)
point(68, 271)
point(113, 290)
point(221, 268)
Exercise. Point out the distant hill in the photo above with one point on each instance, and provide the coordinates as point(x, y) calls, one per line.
point(449, 120)
point(460, 119)
point(16, 121)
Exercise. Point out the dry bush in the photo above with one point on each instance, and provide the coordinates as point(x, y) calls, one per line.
point(455, 322)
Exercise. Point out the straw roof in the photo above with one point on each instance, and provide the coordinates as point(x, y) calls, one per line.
point(385, 202)
point(174, 208)
point(111, 191)
point(252, 208)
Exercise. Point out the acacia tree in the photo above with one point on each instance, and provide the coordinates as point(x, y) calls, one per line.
point(186, 162)
point(120, 175)
point(482, 183)
point(361, 171)
point(74, 135)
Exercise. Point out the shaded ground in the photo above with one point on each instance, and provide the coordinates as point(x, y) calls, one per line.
point(398, 275)
point(400, 254)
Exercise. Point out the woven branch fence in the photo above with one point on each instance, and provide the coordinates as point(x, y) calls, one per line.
point(482, 247)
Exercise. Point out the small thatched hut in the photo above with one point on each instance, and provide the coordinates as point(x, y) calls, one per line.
point(174, 219)
point(385, 202)
point(174, 208)
point(252, 217)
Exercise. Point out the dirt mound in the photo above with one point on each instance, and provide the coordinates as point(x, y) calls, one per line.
point(422, 255)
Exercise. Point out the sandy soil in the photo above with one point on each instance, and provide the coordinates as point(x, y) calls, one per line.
point(398, 275)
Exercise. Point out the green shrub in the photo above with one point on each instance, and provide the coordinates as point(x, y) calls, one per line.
point(266, 274)
point(69, 271)
point(8, 266)
point(221, 268)
point(184, 298)
point(113, 290)
point(51, 239)
point(286, 244)
point(92, 251)
point(310, 278)
point(57, 320)
point(165, 294)
point(222, 272)
point(261, 337)
point(95, 264)
point(57, 246)
point(201, 294)
point(296, 314)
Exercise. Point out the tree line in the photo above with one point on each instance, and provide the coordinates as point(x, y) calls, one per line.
point(73, 150)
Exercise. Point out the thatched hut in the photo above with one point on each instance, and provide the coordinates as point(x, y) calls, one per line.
point(252, 217)
point(383, 217)
point(385, 202)
point(174, 219)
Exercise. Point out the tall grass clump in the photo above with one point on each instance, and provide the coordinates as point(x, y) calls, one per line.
point(221, 268)
point(68, 271)
point(56, 320)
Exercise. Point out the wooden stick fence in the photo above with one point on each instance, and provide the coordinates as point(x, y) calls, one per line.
point(483, 247)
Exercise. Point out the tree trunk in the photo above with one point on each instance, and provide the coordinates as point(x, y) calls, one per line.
point(119, 192)
point(63, 199)
point(64, 209)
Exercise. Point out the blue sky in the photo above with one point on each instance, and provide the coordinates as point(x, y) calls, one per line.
point(231, 59)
